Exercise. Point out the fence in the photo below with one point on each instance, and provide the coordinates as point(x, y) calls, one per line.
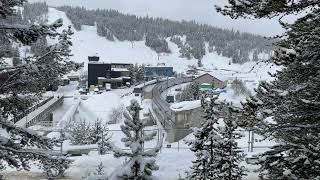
point(116, 134)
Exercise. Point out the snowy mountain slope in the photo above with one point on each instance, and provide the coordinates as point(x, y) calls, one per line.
point(87, 43)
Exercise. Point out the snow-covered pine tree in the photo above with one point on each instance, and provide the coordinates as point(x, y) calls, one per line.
point(204, 146)
point(80, 133)
point(140, 73)
point(99, 170)
point(228, 155)
point(217, 152)
point(190, 93)
point(83, 133)
point(287, 109)
point(140, 163)
point(13, 143)
point(96, 132)
point(133, 73)
point(18, 83)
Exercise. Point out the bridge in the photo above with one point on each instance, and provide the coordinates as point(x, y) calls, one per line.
point(38, 113)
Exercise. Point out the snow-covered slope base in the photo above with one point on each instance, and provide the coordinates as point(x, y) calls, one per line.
point(87, 43)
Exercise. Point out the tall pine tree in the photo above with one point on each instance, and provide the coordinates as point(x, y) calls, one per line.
point(19, 83)
point(140, 164)
point(217, 153)
point(287, 109)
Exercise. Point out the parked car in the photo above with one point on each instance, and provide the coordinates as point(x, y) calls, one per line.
point(96, 90)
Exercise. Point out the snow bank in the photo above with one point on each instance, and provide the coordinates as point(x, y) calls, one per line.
point(68, 116)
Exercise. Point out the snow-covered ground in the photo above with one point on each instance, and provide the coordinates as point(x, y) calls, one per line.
point(172, 161)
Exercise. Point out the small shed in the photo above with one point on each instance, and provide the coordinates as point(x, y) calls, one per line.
point(209, 79)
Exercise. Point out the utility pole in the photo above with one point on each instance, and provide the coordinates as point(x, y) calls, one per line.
point(252, 141)
point(61, 139)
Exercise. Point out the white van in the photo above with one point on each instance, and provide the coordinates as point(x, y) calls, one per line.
point(108, 87)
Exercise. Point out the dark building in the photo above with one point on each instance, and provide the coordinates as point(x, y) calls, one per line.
point(93, 58)
point(96, 70)
point(161, 71)
point(117, 74)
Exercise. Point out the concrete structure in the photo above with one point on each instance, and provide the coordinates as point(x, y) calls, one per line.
point(147, 91)
point(208, 78)
point(177, 123)
point(41, 113)
point(187, 114)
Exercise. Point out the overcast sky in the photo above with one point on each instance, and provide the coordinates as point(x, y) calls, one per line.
point(202, 11)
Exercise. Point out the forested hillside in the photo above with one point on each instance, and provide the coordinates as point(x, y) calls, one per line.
point(193, 39)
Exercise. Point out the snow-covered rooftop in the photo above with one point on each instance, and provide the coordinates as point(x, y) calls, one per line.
point(120, 69)
point(102, 78)
point(185, 105)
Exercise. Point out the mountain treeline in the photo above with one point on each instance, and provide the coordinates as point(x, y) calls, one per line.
point(193, 39)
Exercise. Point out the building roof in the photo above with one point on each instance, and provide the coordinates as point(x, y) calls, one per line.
point(102, 78)
point(120, 69)
point(97, 62)
point(121, 64)
point(213, 75)
point(185, 105)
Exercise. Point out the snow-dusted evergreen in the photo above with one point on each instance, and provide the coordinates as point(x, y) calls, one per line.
point(137, 73)
point(287, 109)
point(20, 84)
point(189, 93)
point(240, 88)
point(217, 153)
point(228, 155)
point(204, 146)
point(84, 133)
point(140, 162)
point(116, 115)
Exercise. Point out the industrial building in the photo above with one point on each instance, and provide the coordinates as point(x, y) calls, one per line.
point(158, 71)
point(100, 73)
